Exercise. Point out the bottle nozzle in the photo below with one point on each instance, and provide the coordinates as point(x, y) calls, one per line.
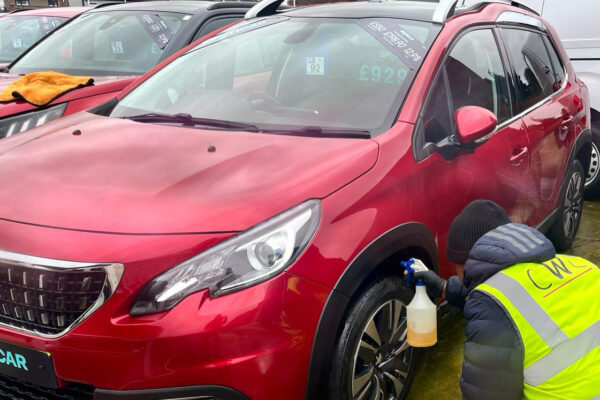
point(407, 265)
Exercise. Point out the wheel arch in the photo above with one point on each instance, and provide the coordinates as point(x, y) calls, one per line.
point(378, 259)
point(583, 149)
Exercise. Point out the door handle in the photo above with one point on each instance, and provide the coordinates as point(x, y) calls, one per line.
point(567, 119)
point(519, 155)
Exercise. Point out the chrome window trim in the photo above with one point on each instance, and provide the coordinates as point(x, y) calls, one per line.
point(114, 273)
point(513, 17)
point(527, 111)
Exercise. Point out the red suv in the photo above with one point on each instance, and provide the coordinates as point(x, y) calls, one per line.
point(232, 227)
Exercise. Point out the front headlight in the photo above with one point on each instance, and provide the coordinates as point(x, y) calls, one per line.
point(246, 259)
point(22, 122)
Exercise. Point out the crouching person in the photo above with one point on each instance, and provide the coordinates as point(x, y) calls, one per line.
point(532, 317)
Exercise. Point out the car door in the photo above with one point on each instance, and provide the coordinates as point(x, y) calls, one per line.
point(548, 112)
point(473, 74)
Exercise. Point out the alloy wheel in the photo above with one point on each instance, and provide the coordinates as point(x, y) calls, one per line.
point(594, 166)
point(573, 204)
point(383, 357)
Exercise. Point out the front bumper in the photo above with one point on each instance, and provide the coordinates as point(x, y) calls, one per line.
point(256, 341)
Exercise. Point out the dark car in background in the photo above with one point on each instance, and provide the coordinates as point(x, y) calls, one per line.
point(114, 44)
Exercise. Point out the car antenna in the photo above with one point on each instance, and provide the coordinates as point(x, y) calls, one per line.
point(263, 8)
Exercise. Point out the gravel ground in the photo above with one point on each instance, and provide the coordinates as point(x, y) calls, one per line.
point(438, 369)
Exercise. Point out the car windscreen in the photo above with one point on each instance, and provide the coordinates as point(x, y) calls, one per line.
point(291, 75)
point(19, 32)
point(105, 43)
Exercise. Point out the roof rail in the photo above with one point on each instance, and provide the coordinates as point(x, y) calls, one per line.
point(264, 8)
point(444, 10)
point(450, 8)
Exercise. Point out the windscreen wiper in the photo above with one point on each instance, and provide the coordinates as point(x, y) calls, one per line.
point(188, 120)
point(317, 131)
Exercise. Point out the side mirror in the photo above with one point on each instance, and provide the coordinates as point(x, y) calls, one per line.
point(473, 123)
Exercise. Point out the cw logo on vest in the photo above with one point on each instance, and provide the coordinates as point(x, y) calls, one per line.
point(545, 275)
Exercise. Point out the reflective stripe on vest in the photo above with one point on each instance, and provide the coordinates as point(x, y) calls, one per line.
point(539, 320)
point(555, 306)
point(563, 355)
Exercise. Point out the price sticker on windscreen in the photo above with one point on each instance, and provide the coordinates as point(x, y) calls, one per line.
point(396, 38)
point(315, 65)
point(157, 28)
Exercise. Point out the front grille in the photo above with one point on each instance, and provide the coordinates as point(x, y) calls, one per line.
point(48, 297)
point(46, 301)
point(13, 389)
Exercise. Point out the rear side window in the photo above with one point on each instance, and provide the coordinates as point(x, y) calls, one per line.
point(534, 74)
point(559, 68)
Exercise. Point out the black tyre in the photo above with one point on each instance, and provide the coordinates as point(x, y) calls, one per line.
point(372, 360)
point(592, 180)
point(564, 229)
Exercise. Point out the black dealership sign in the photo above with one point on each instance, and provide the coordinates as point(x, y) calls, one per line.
point(27, 365)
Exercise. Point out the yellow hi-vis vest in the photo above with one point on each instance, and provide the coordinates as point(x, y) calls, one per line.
point(555, 307)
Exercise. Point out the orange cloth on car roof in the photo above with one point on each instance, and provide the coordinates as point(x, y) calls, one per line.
point(41, 88)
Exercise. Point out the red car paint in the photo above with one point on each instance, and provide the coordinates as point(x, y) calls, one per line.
point(150, 197)
point(65, 12)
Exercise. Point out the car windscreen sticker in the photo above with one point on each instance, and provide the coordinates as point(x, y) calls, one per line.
point(241, 28)
point(115, 41)
point(17, 43)
point(48, 25)
point(315, 65)
point(117, 47)
point(398, 40)
point(157, 28)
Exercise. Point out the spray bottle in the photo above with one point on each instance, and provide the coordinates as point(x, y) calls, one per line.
point(421, 313)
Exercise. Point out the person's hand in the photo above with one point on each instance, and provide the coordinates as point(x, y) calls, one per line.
point(435, 285)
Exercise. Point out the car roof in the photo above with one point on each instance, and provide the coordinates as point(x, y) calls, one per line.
point(65, 12)
point(414, 10)
point(419, 10)
point(186, 7)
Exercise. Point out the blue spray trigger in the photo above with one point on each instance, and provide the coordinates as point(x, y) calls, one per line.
point(407, 265)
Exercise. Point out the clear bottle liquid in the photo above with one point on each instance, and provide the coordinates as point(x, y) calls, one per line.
point(421, 316)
